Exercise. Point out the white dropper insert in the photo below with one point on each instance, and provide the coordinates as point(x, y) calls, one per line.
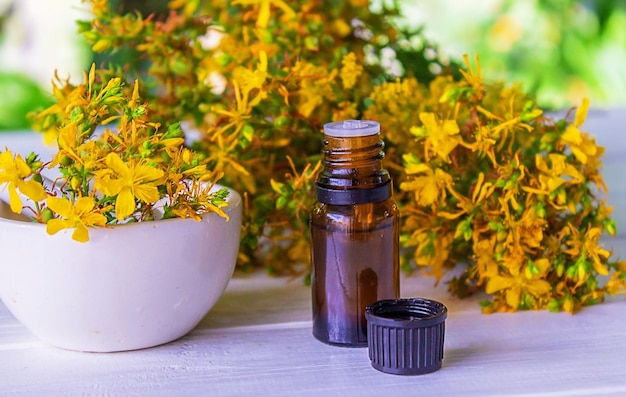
point(352, 128)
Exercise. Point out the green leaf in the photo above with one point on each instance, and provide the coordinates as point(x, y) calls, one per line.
point(281, 202)
point(554, 306)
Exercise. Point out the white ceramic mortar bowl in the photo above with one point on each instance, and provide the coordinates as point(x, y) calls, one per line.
point(130, 287)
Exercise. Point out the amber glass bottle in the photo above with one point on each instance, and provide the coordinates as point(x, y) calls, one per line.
point(354, 231)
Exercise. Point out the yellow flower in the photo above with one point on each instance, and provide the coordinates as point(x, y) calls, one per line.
point(474, 79)
point(439, 135)
point(390, 101)
point(428, 188)
point(129, 181)
point(189, 7)
point(184, 163)
point(316, 86)
point(433, 251)
point(244, 81)
point(581, 145)
point(519, 283)
point(13, 171)
point(196, 200)
point(345, 111)
point(79, 215)
point(248, 80)
point(616, 284)
point(341, 27)
point(481, 191)
point(484, 255)
point(350, 70)
point(526, 231)
point(67, 141)
point(264, 10)
point(485, 143)
point(551, 177)
point(589, 247)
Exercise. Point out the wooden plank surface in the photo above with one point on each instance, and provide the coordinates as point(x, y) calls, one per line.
point(257, 341)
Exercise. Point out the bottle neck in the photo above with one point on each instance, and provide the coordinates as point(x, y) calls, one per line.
point(353, 171)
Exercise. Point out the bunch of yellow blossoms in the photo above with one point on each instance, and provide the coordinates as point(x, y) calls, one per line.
point(102, 177)
point(513, 196)
point(486, 181)
point(257, 79)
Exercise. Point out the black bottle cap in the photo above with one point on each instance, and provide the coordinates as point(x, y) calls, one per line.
point(405, 336)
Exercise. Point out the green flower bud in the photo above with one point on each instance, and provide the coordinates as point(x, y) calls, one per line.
point(46, 215)
point(611, 226)
point(281, 121)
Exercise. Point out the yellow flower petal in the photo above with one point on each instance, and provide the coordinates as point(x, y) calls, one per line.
point(218, 210)
point(572, 135)
point(537, 288)
point(552, 183)
point(543, 264)
point(6, 160)
point(264, 15)
point(125, 204)
point(541, 164)
point(84, 205)
point(478, 186)
point(61, 206)
point(262, 61)
point(594, 233)
point(445, 147)
point(581, 113)
point(81, 233)
point(23, 169)
point(600, 268)
point(32, 190)
point(108, 186)
point(285, 7)
point(558, 163)
point(146, 173)
point(498, 283)
point(513, 296)
point(14, 200)
point(425, 187)
point(417, 168)
point(169, 142)
point(579, 154)
point(568, 305)
point(574, 173)
point(428, 119)
point(147, 193)
point(450, 127)
point(114, 162)
point(94, 219)
point(55, 225)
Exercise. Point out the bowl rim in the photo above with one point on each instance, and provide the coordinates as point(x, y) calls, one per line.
point(233, 200)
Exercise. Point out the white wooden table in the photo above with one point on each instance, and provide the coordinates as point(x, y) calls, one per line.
point(257, 341)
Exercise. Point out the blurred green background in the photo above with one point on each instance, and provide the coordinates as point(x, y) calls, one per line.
point(37, 37)
point(560, 50)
